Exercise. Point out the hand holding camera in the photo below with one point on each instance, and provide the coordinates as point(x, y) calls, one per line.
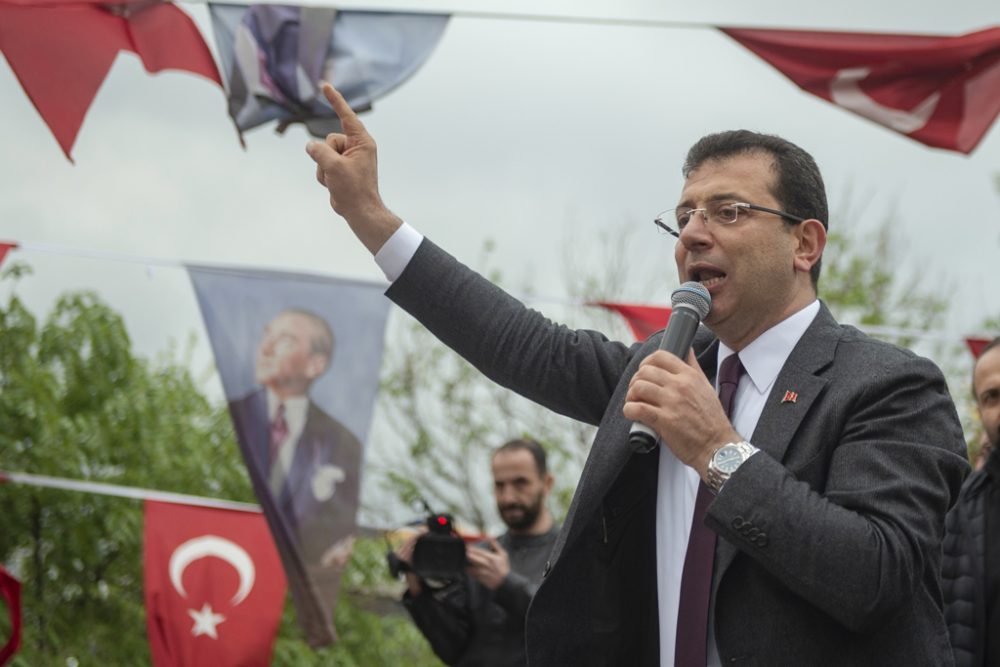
point(489, 566)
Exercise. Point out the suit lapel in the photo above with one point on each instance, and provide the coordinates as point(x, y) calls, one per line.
point(795, 389)
point(611, 451)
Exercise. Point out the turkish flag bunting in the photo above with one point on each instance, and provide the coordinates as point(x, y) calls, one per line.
point(215, 589)
point(10, 590)
point(5, 248)
point(941, 91)
point(61, 51)
point(977, 345)
point(643, 321)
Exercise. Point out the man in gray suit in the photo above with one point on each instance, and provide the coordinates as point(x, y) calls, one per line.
point(801, 525)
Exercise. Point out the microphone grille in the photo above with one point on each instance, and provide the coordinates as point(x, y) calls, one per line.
point(694, 295)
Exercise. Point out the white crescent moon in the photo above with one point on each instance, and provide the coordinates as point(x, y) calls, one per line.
point(845, 92)
point(212, 545)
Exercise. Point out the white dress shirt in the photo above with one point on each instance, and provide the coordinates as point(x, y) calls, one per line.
point(677, 485)
point(295, 416)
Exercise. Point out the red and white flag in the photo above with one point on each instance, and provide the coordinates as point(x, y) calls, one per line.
point(214, 584)
point(10, 591)
point(940, 91)
point(643, 321)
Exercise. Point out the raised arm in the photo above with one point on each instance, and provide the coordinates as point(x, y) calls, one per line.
point(347, 166)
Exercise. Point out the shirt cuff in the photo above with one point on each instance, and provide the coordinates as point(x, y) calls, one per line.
point(397, 252)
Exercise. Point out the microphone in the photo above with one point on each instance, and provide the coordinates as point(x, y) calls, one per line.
point(690, 304)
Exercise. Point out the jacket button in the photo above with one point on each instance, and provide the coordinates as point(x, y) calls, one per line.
point(761, 540)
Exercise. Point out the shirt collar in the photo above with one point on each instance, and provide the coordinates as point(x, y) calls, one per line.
point(765, 356)
point(295, 407)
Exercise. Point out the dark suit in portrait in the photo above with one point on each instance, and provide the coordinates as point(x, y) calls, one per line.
point(319, 498)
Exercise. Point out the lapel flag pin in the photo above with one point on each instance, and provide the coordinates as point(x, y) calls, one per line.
point(790, 396)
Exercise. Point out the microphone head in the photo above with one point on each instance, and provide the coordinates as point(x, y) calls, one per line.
point(693, 295)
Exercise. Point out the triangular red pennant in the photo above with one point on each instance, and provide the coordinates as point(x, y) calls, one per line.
point(977, 345)
point(4, 249)
point(940, 91)
point(61, 54)
point(215, 589)
point(10, 590)
point(643, 321)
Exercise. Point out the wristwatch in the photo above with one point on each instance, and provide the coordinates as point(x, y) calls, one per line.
point(726, 460)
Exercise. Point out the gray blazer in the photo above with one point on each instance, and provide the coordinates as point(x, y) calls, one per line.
point(829, 540)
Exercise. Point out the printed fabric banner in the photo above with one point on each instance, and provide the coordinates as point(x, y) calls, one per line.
point(299, 357)
point(940, 91)
point(214, 587)
point(274, 56)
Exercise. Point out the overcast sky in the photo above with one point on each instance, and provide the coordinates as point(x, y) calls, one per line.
point(524, 132)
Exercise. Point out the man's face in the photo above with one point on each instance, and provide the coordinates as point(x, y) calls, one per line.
point(519, 489)
point(986, 383)
point(748, 266)
point(285, 362)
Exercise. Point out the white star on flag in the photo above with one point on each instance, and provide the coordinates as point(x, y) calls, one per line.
point(205, 621)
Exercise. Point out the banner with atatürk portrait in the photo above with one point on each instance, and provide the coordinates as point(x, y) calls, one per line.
point(299, 358)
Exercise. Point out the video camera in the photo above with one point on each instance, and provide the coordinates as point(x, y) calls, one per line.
point(438, 555)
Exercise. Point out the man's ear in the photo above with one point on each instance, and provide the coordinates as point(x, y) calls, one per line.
point(316, 366)
point(549, 481)
point(811, 237)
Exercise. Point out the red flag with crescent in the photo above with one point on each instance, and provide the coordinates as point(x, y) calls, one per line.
point(214, 584)
point(643, 321)
point(10, 591)
point(940, 91)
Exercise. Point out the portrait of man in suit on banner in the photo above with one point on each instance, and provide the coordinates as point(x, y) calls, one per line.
point(299, 359)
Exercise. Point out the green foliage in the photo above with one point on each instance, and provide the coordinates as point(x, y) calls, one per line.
point(76, 402)
point(861, 284)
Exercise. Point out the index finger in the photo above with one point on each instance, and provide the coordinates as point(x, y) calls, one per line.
point(348, 119)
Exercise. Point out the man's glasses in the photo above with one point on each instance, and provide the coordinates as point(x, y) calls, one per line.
point(675, 220)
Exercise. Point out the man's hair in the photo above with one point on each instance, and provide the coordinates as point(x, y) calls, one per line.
point(529, 445)
point(321, 340)
point(798, 185)
point(989, 346)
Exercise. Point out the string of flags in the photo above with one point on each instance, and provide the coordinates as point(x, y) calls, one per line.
point(642, 320)
point(942, 91)
point(645, 320)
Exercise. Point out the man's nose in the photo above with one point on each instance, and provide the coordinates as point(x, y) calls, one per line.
point(697, 232)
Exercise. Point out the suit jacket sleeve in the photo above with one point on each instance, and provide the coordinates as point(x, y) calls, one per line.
point(851, 519)
point(573, 372)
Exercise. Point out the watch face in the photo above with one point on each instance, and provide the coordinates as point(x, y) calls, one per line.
point(728, 459)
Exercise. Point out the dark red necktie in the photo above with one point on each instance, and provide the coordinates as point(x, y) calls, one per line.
point(279, 431)
point(690, 648)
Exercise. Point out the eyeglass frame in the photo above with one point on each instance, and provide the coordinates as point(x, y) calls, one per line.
point(658, 220)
